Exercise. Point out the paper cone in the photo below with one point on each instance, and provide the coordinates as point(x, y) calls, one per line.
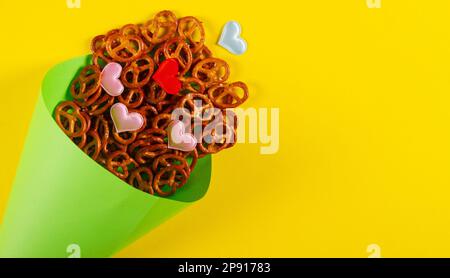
point(62, 197)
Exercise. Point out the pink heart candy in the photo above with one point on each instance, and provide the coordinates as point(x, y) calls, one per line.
point(125, 121)
point(110, 79)
point(179, 139)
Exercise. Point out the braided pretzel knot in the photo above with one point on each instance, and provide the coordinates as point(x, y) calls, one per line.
point(192, 29)
point(215, 138)
point(190, 103)
point(178, 49)
point(93, 144)
point(132, 98)
point(168, 180)
point(211, 71)
point(170, 159)
point(71, 120)
point(119, 162)
point(124, 48)
point(226, 95)
point(161, 28)
point(142, 179)
point(138, 72)
point(192, 85)
point(86, 84)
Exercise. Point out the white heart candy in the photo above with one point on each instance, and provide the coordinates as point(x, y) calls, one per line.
point(231, 38)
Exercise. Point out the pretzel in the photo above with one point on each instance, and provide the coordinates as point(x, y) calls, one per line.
point(178, 49)
point(202, 54)
point(101, 105)
point(138, 73)
point(225, 96)
point(124, 138)
point(101, 126)
point(161, 28)
point(191, 158)
point(80, 141)
point(118, 164)
point(162, 121)
point(130, 29)
point(71, 120)
point(168, 180)
point(192, 30)
point(153, 134)
point(158, 55)
point(155, 94)
point(86, 84)
point(124, 48)
point(211, 71)
point(169, 159)
point(93, 144)
point(146, 154)
point(192, 85)
point(89, 100)
point(112, 146)
point(215, 139)
point(142, 158)
point(189, 103)
point(142, 179)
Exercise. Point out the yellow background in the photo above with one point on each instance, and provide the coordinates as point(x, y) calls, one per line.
point(364, 98)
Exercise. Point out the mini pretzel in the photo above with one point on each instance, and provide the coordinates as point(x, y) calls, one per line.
point(156, 94)
point(71, 120)
point(162, 121)
point(132, 98)
point(142, 157)
point(124, 138)
point(166, 106)
point(93, 144)
point(211, 71)
point(225, 96)
point(142, 179)
point(130, 29)
point(153, 134)
point(167, 160)
point(215, 139)
point(192, 29)
point(112, 146)
point(86, 84)
point(161, 28)
point(158, 56)
point(178, 49)
point(101, 105)
point(124, 48)
point(80, 141)
point(138, 72)
point(192, 85)
point(101, 126)
point(190, 101)
point(168, 180)
point(89, 100)
point(118, 164)
point(202, 55)
point(147, 153)
point(190, 157)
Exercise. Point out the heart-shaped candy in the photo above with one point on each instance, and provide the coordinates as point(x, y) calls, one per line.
point(167, 76)
point(179, 139)
point(110, 79)
point(125, 121)
point(231, 38)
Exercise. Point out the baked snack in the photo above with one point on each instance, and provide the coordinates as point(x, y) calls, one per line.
point(143, 157)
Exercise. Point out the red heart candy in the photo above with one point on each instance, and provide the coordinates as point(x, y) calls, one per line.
point(166, 76)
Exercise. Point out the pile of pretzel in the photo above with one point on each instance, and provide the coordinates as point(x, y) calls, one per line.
point(142, 158)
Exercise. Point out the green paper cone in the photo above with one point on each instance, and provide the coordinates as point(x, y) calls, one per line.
point(62, 197)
